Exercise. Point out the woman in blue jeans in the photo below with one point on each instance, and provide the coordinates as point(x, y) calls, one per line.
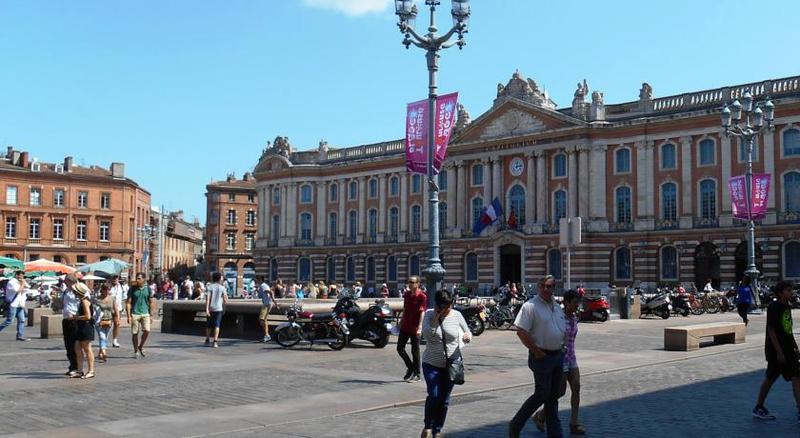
point(438, 324)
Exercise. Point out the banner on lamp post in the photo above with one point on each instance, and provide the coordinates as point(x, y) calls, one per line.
point(760, 194)
point(417, 137)
point(758, 202)
point(736, 187)
point(445, 121)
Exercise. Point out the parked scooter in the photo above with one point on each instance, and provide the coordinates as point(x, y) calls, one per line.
point(658, 305)
point(680, 304)
point(371, 325)
point(312, 328)
point(594, 309)
point(475, 316)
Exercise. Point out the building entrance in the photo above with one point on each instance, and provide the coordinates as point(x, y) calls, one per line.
point(706, 265)
point(510, 264)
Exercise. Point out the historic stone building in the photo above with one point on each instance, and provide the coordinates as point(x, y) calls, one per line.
point(177, 245)
point(647, 177)
point(71, 214)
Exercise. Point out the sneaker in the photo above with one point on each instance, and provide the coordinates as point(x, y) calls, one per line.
point(206, 342)
point(136, 354)
point(761, 413)
point(141, 351)
point(21, 339)
point(115, 344)
point(266, 339)
point(73, 374)
point(416, 378)
point(215, 345)
point(408, 376)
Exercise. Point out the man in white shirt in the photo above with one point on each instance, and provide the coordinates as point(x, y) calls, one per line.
point(69, 326)
point(709, 288)
point(216, 299)
point(15, 297)
point(117, 292)
point(541, 327)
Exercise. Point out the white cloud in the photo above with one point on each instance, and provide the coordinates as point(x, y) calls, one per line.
point(352, 8)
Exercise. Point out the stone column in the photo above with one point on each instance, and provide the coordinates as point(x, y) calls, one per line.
point(321, 232)
point(769, 167)
point(597, 188)
point(362, 208)
point(583, 181)
point(342, 217)
point(266, 207)
point(497, 181)
point(686, 189)
point(724, 208)
point(572, 174)
point(403, 206)
point(530, 190)
point(284, 211)
point(487, 181)
point(381, 206)
point(650, 195)
point(461, 211)
point(640, 191)
point(291, 207)
point(541, 189)
point(452, 198)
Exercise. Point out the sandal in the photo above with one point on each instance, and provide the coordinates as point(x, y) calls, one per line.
point(538, 420)
point(77, 375)
point(577, 429)
point(88, 375)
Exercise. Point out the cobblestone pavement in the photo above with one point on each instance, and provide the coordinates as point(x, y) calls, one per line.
point(631, 387)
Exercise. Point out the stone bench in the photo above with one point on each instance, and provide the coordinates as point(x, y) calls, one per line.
point(35, 313)
point(51, 326)
point(687, 338)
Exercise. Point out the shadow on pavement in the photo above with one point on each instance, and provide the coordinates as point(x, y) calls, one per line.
point(36, 375)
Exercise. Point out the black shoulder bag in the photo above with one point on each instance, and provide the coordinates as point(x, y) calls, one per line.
point(455, 363)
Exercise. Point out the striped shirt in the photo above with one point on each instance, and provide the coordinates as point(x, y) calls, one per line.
point(454, 327)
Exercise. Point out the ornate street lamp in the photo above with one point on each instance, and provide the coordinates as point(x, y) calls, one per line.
point(407, 12)
point(744, 123)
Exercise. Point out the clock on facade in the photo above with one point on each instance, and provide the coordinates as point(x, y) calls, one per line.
point(517, 166)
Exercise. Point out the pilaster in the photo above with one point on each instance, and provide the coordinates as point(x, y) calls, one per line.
point(685, 188)
point(769, 167)
point(724, 208)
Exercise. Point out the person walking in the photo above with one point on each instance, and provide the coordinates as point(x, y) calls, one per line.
point(117, 292)
point(84, 331)
point(780, 348)
point(541, 327)
point(267, 303)
point(443, 330)
point(571, 371)
point(69, 327)
point(108, 305)
point(216, 298)
point(139, 306)
point(16, 297)
point(414, 304)
point(744, 299)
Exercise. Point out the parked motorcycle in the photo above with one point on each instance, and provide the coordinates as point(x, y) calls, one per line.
point(475, 316)
point(504, 312)
point(312, 328)
point(371, 325)
point(658, 305)
point(594, 309)
point(680, 304)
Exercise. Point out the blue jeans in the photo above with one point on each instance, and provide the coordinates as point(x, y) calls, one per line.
point(439, 388)
point(19, 312)
point(548, 375)
point(102, 336)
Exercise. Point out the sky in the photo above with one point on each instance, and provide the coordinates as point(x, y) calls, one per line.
point(186, 91)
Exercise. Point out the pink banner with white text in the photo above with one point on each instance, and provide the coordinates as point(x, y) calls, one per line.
point(760, 194)
point(417, 137)
point(758, 202)
point(445, 121)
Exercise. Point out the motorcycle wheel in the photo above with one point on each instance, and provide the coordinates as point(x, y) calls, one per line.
point(604, 316)
point(476, 325)
point(341, 341)
point(665, 314)
point(712, 306)
point(698, 310)
point(684, 312)
point(383, 340)
point(287, 337)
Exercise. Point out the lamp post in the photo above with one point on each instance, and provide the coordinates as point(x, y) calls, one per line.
point(407, 12)
point(147, 233)
point(742, 121)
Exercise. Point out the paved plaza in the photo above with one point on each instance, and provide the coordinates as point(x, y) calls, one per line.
point(631, 387)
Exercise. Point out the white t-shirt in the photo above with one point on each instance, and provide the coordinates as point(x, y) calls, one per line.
point(14, 288)
point(544, 321)
point(215, 293)
point(118, 293)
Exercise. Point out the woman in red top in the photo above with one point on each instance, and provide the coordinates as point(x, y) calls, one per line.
point(414, 303)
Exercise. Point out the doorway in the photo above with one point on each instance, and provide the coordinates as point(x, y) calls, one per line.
point(510, 263)
point(706, 265)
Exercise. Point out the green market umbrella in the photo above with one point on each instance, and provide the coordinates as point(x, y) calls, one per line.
point(11, 263)
point(108, 267)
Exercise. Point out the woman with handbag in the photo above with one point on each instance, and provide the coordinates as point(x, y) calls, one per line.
point(444, 330)
point(84, 334)
point(108, 305)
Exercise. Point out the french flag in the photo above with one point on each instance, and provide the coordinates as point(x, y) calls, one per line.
point(490, 214)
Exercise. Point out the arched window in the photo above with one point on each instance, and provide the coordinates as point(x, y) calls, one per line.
point(276, 196)
point(305, 194)
point(442, 216)
point(477, 175)
point(707, 152)
point(391, 269)
point(304, 269)
point(370, 270)
point(273, 269)
point(413, 265)
point(274, 231)
point(373, 188)
point(443, 181)
point(791, 191)
point(416, 183)
point(668, 156)
point(559, 205)
point(471, 267)
point(516, 204)
point(791, 260)
point(669, 263)
point(333, 225)
point(791, 142)
point(708, 199)
point(394, 186)
point(559, 166)
point(669, 202)
point(622, 160)
point(350, 268)
point(554, 263)
point(623, 202)
point(477, 209)
point(394, 222)
point(334, 192)
point(416, 220)
point(622, 263)
point(373, 223)
point(353, 189)
point(330, 270)
point(305, 226)
point(352, 224)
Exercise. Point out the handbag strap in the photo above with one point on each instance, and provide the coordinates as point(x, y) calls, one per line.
point(444, 343)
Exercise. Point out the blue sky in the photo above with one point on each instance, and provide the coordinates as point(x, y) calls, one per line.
point(186, 91)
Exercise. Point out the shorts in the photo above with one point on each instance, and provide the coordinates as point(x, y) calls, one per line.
point(140, 323)
point(789, 369)
point(214, 320)
point(262, 316)
point(570, 364)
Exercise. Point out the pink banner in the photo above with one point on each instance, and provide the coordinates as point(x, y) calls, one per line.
point(760, 195)
point(736, 187)
point(738, 192)
point(417, 137)
point(445, 121)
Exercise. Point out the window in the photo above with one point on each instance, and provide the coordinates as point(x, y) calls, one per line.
point(273, 269)
point(471, 267)
point(11, 227)
point(80, 232)
point(214, 243)
point(622, 264)
point(251, 197)
point(394, 222)
point(372, 188)
point(304, 269)
point(330, 270)
point(391, 269)
point(305, 226)
point(11, 195)
point(791, 192)
point(669, 263)
point(554, 263)
point(352, 224)
point(413, 265)
point(231, 217)
point(442, 216)
point(743, 150)
point(58, 259)
point(791, 142)
point(250, 218)
point(477, 175)
point(416, 183)
point(708, 199)
point(275, 228)
point(105, 201)
point(443, 181)
point(622, 159)
point(83, 199)
point(305, 194)
point(58, 198)
point(370, 270)
point(559, 205)
point(34, 227)
point(669, 202)
point(394, 186)
point(477, 209)
point(416, 220)
point(249, 241)
point(81, 259)
point(623, 202)
point(105, 231)
point(36, 197)
point(353, 190)
point(516, 201)
point(372, 223)
point(276, 196)
point(334, 192)
point(231, 197)
point(791, 259)
point(668, 156)
point(333, 226)
point(214, 217)
point(58, 229)
point(350, 268)
point(230, 241)
point(707, 152)
point(559, 166)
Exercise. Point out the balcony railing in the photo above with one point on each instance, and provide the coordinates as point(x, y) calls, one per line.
point(550, 228)
point(330, 241)
point(743, 222)
point(667, 224)
point(371, 239)
point(789, 217)
point(350, 240)
point(272, 243)
point(390, 238)
point(303, 242)
point(620, 227)
point(413, 237)
point(706, 222)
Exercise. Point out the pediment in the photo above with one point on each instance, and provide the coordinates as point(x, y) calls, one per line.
point(271, 163)
point(515, 118)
